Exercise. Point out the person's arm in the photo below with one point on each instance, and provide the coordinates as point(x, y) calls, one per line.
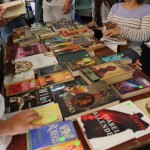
point(67, 6)
point(2, 11)
point(20, 123)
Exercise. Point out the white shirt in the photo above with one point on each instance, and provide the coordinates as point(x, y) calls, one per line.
point(55, 2)
point(4, 140)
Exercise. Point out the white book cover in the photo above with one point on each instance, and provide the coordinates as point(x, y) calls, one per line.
point(124, 121)
point(35, 62)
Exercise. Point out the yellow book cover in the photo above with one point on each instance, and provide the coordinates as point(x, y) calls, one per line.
point(50, 114)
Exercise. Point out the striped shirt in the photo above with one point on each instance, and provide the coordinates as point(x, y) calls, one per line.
point(135, 24)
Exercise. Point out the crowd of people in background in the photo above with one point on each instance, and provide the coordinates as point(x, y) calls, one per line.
point(129, 19)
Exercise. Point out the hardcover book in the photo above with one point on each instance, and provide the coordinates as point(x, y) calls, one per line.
point(35, 62)
point(15, 11)
point(37, 98)
point(72, 56)
point(16, 78)
point(144, 105)
point(55, 78)
point(51, 135)
point(71, 145)
point(110, 72)
point(106, 128)
point(50, 114)
point(30, 50)
point(21, 87)
point(121, 56)
point(75, 98)
point(50, 70)
point(131, 87)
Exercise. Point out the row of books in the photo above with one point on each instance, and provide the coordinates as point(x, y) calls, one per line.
point(44, 79)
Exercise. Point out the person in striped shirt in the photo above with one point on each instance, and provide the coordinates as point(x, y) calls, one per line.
point(131, 20)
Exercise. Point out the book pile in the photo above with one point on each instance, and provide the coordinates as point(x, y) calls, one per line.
point(52, 68)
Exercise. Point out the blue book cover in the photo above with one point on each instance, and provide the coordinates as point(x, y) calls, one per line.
point(52, 134)
point(115, 57)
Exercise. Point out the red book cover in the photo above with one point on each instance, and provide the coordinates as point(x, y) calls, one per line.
point(22, 87)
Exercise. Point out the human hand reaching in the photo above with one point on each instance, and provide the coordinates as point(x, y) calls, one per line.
point(23, 122)
point(113, 32)
point(67, 6)
point(138, 65)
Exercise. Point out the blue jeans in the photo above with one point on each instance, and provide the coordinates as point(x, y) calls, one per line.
point(38, 11)
point(8, 28)
point(131, 54)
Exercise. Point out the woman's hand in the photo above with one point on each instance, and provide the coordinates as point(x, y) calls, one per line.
point(138, 65)
point(67, 6)
point(113, 32)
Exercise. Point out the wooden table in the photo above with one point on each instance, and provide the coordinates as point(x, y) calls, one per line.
point(19, 141)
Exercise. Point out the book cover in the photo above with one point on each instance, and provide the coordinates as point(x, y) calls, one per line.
point(44, 30)
point(110, 72)
point(72, 56)
point(30, 50)
point(51, 69)
point(15, 11)
point(47, 35)
point(83, 40)
point(131, 87)
point(144, 105)
point(54, 40)
point(50, 114)
point(35, 62)
point(55, 78)
point(22, 87)
point(121, 56)
point(67, 49)
point(76, 98)
point(16, 78)
point(71, 145)
point(27, 100)
point(52, 134)
point(114, 125)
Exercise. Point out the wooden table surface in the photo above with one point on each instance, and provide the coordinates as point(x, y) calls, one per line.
point(19, 141)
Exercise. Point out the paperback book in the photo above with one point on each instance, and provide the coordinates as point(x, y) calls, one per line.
point(21, 87)
point(37, 98)
point(50, 70)
point(131, 87)
point(48, 35)
point(112, 126)
point(30, 50)
point(35, 62)
point(144, 105)
point(121, 56)
point(55, 78)
point(50, 114)
point(110, 72)
point(75, 98)
point(83, 40)
point(51, 135)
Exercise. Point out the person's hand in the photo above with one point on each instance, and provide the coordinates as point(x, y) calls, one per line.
point(67, 6)
point(23, 122)
point(113, 32)
point(110, 25)
point(138, 65)
point(2, 10)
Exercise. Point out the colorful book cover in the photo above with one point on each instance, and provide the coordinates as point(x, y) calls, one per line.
point(30, 50)
point(52, 134)
point(54, 40)
point(47, 35)
point(121, 57)
point(41, 31)
point(35, 62)
point(72, 56)
point(144, 105)
point(75, 97)
point(16, 78)
point(22, 87)
point(114, 125)
point(50, 114)
point(105, 71)
point(55, 78)
point(71, 145)
point(51, 69)
point(82, 40)
point(131, 85)
point(27, 100)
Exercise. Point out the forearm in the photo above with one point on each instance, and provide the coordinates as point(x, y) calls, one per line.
point(5, 128)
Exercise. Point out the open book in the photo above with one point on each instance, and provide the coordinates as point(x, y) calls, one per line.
point(114, 40)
